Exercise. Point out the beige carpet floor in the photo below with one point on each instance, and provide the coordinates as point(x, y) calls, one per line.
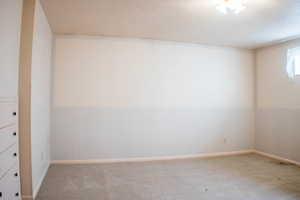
point(244, 177)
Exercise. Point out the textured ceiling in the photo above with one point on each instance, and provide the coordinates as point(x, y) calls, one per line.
point(264, 22)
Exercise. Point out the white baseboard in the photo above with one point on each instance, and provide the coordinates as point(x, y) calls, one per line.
point(277, 158)
point(147, 159)
point(38, 186)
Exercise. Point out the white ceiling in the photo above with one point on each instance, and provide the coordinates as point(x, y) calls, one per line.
point(264, 22)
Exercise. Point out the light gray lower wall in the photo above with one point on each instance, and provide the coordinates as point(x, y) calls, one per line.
point(278, 132)
point(93, 133)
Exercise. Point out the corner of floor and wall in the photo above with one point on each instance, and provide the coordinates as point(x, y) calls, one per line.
point(173, 100)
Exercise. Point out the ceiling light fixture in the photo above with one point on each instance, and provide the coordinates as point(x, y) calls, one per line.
point(236, 6)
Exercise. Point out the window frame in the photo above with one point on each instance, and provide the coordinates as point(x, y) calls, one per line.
point(297, 65)
point(292, 53)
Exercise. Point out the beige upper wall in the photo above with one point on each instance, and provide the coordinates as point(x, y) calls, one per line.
point(274, 88)
point(118, 72)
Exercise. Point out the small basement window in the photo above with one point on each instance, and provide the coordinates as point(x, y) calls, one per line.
point(297, 65)
point(293, 62)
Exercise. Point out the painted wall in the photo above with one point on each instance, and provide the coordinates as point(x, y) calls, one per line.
point(40, 96)
point(10, 23)
point(124, 98)
point(278, 104)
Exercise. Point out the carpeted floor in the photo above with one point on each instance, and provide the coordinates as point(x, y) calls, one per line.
point(245, 177)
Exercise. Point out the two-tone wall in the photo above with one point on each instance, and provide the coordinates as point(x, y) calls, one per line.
point(278, 103)
point(124, 98)
point(118, 98)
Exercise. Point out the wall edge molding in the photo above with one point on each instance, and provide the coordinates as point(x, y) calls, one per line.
point(149, 159)
point(24, 97)
point(278, 158)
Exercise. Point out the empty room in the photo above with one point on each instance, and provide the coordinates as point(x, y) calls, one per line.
point(149, 100)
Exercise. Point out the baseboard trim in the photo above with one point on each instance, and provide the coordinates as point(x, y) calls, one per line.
point(149, 159)
point(37, 188)
point(278, 158)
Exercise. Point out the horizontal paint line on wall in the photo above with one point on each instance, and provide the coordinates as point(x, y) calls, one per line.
point(278, 158)
point(149, 159)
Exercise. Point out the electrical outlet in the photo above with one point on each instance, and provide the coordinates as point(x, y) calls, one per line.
point(225, 140)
